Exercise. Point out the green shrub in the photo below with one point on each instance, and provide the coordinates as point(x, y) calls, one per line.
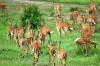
point(73, 9)
point(33, 15)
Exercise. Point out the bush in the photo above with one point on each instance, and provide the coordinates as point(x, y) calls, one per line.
point(72, 9)
point(32, 15)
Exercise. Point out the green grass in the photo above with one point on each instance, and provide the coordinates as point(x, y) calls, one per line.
point(72, 1)
point(10, 53)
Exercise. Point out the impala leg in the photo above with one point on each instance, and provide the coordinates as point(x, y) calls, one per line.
point(23, 50)
point(82, 49)
point(75, 49)
point(59, 62)
point(64, 62)
point(52, 60)
point(66, 30)
point(58, 32)
point(26, 51)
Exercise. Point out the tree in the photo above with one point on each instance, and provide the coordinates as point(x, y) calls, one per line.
point(32, 15)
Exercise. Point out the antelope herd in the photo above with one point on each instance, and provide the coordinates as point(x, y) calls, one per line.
point(35, 40)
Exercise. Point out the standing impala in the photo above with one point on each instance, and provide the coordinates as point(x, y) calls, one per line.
point(57, 9)
point(25, 44)
point(43, 32)
point(30, 33)
point(10, 31)
point(83, 42)
point(52, 53)
point(62, 26)
point(36, 50)
point(62, 55)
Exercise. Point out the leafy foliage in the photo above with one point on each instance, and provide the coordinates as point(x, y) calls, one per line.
point(73, 9)
point(32, 15)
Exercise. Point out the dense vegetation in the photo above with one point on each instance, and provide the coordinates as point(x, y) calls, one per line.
point(32, 15)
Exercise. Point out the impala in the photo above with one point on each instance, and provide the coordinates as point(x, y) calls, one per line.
point(57, 9)
point(11, 29)
point(25, 43)
point(83, 42)
point(43, 31)
point(62, 55)
point(36, 50)
point(52, 53)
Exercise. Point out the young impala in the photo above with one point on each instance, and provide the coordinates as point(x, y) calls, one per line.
point(52, 53)
point(62, 55)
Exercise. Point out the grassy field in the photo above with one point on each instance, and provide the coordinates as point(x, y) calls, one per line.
point(10, 53)
point(72, 1)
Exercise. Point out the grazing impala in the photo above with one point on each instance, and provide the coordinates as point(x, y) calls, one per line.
point(57, 9)
point(83, 42)
point(36, 50)
point(62, 55)
point(52, 53)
